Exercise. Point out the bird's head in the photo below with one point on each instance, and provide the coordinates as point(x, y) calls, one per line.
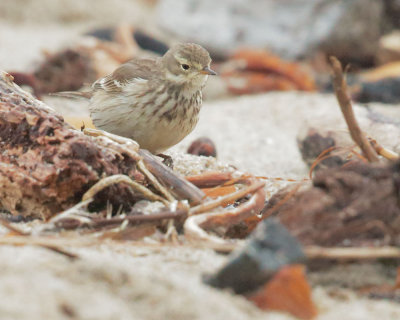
point(187, 63)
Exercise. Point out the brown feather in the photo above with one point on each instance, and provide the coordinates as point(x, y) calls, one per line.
point(145, 69)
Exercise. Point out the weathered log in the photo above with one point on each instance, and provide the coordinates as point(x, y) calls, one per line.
point(45, 164)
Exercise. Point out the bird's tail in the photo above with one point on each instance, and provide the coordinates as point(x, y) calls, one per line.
point(73, 94)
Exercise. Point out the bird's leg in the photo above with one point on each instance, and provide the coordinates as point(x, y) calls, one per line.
point(172, 233)
point(167, 160)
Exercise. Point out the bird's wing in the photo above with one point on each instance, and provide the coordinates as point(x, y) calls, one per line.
point(134, 70)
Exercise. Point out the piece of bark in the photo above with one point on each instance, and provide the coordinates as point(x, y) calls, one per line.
point(45, 164)
point(356, 205)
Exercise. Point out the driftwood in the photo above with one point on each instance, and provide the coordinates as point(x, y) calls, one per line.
point(45, 165)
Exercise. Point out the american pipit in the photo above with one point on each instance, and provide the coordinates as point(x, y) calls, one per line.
point(154, 102)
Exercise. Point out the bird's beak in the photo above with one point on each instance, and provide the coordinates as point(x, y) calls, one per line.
point(207, 70)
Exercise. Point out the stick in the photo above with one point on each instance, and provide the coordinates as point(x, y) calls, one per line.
point(31, 241)
point(183, 189)
point(343, 98)
point(315, 252)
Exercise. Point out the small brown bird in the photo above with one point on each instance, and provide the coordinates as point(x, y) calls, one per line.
point(154, 102)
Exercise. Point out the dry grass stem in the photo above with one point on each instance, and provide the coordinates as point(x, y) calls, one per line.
point(343, 97)
point(382, 151)
point(120, 178)
point(155, 182)
point(28, 240)
point(118, 143)
point(181, 188)
point(73, 211)
point(209, 205)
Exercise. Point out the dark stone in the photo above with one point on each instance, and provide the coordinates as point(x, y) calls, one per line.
point(313, 144)
point(270, 247)
point(385, 91)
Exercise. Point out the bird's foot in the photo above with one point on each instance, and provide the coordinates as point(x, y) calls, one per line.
point(167, 160)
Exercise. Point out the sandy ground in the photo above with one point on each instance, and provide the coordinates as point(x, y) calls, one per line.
point(256, 134)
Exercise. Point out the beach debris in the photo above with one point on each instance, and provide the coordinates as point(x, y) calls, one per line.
point(203, 147)
point(320, 145)
point(269, 248)
point(288, 291)
point(356, 205)
point(254, 71)
point(383, 292)
point(67, 177)
point(27, 240)
point(93, 56)
point(377, 84)
point(66, 70)
point(213, 217)
point(46, 165)
point(344, 100)
point(389, 48)
point(384, 91)
point(143, 39)
point(292, 29)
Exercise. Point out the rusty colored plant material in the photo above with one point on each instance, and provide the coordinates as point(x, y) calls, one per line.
point(209, 179)
point(252, 82)
point(200, 218)
point(260, 71)
point(46, 165)
point(287, 291)
point(219, 192)
point(356, 205)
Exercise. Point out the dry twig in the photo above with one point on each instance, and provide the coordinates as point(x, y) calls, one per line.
point(353, 253)
point(342, 95)
point(155, 182)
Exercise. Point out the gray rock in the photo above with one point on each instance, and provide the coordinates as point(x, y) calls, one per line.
point(293, 29)
point(270, 247)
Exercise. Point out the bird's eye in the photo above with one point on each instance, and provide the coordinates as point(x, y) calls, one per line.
point(185, 66)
